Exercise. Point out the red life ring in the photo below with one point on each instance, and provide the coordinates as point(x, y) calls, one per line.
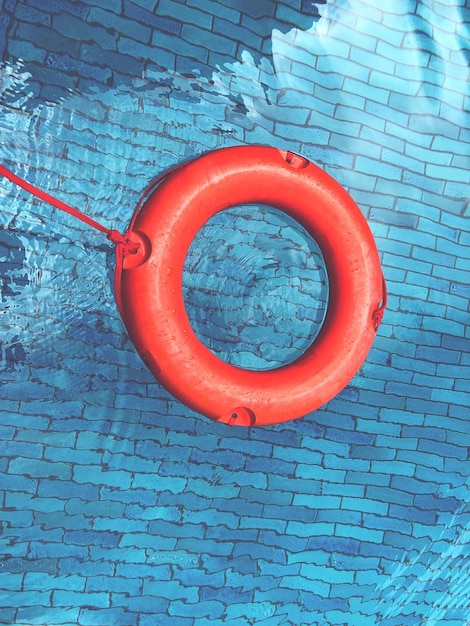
point(152, 302)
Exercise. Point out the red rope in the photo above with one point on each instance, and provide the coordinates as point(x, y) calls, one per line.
point(124, 243)
point(113, 235)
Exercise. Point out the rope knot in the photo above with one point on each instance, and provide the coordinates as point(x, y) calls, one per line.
point(129, 246)
point(116, 237)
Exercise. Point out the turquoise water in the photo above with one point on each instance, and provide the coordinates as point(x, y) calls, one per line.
point(120, 505)
point(252, 275)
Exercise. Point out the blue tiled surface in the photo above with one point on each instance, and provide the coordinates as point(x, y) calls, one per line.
point(119, 505)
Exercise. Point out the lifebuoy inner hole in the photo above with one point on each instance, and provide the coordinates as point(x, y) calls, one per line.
point(255, 287)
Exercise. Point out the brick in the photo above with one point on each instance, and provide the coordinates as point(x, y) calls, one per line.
point(144, 540)
point(221, 458)
point(230, 596)
point(429, 502)
point(235, 32)
point(72, 598)
point(11, 582)
point(335, 125)
point(59, 519)
point(32, 598)
point(363, 534)
point(119, 525)
point(404, 87)
point(455, 465)
point(71, 456)
point(42, 38)
point(61, 62)
point(139, 31)
point(392, 140)
point(48, 438)
point(57, 6)
point(171, 590)
point(372, 453)
point(385, 523)
point(165, 42)
point(37, 468)
point(278, 526)
point(287, 542)
point(413, 514)
point(41, 580)
point(97, 441)
point(130, 463)
point(7, 615)
point(31, 390)
point(449, 142)
point(96, 475)
point(396, 494)
point(256, 449)
point(302, 529)
point(326, 574)
point(190, 501)
point(211, 609)
point(283, 483)
point(366, 478)
point(55, 548)
point(183, 559)
point(444, 395)
point(384, 550)
point(147, 619)
point(212, 518)
point(32, 615)
point(215, 578)
point(192, 15)
point(16, 483)
point(256, 551)
point(74, 424)
point(421, 458)
point(355, 562)
point(87, 537)
point(437, 355)
point(375, 94)
point(14, 448)
point(141, 604)
point(361, 504)
point(103, 617)
point(394, 467)
point(326, 446)
point(193, 470)
point(27, 501)
point(152, 481)
point(334, 544)
point(74, 28)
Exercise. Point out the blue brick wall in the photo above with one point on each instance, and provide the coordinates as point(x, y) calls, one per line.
point(118, 504)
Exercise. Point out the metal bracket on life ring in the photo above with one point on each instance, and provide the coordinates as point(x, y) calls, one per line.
point(151, 295)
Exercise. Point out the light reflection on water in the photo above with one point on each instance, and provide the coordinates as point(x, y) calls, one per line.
point(435, 580)
point(98, 151)
point(251, 276)
point(71, 148)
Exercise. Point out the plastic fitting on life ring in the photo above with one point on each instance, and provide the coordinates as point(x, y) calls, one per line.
point(152, 303)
